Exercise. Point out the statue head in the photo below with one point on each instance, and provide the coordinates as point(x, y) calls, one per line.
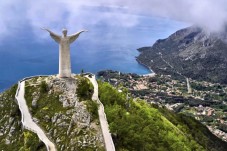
point(64, 31)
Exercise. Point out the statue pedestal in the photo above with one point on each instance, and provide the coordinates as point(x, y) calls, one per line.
point(64, 76)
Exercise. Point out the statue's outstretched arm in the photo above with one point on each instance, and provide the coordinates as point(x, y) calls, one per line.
point(73, 37)
point(56, 37)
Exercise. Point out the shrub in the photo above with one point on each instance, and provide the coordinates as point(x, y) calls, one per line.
point(92, 108)
point(43, 87)
point(84, 89)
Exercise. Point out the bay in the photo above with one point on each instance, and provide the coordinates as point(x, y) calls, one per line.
point(103, 47)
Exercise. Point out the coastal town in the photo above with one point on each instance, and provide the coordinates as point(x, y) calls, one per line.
point(205, 101)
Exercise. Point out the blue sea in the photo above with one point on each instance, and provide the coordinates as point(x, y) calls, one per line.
point(103, 47)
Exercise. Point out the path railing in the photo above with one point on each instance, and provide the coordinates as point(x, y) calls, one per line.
point(109, 145)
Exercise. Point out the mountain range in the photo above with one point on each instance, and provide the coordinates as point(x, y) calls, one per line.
point(191, 52)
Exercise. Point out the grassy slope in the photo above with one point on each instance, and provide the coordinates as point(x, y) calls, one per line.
point(10, 120)
point(135, 125)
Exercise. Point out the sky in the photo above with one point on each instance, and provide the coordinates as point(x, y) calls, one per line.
point(79, 14)
point(116, 29)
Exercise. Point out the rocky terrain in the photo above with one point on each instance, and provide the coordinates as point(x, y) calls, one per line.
point(191, 52)
point(12, 134)
point(61, 107)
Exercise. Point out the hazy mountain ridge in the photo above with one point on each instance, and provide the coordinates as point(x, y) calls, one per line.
point(192, 52)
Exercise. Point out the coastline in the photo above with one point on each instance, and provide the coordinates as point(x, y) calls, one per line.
point(152, 73)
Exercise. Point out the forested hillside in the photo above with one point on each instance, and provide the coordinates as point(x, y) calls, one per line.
point(136, 125)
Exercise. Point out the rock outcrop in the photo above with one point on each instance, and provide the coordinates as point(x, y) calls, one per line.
point(55, 107)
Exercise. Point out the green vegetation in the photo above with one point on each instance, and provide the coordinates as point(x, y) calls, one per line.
point(92, 108)
point(135, 125)
point(47, 104)
point(43, 87)
point(31, 142)
point(197, 131)
point(60, 121)
point(84, 89)
point(206, 103)
point(10, 124)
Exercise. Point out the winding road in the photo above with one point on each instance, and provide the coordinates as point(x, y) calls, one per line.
point(27, 120)
point(102, 117)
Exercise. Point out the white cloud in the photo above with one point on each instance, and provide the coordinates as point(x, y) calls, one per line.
point(77, 14)
point(209, 14)
point(10, 20)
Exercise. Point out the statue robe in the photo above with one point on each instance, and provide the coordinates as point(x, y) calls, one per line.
point(64, 52)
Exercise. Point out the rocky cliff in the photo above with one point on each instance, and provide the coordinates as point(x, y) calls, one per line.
point(61, 107)
point(190, 52)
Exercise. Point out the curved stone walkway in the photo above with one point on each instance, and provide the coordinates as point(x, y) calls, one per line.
point(109, 145)
point(27, 120)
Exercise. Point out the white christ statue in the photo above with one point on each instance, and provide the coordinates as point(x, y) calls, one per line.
point(64, 50)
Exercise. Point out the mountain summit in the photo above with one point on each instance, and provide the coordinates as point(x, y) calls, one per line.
point(189, 52)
